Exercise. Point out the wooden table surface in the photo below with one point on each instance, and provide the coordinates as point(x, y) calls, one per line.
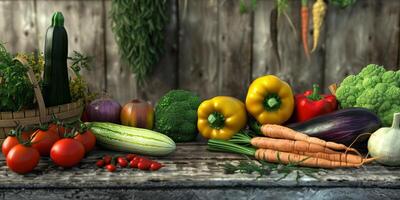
point(192, 172)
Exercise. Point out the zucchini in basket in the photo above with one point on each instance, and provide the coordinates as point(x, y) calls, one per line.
point(55, 78)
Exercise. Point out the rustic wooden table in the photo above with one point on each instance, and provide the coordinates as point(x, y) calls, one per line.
point(192, 172)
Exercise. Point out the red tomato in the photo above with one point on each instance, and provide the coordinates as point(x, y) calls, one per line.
point(44, 140)
point(87, 139)
point(11, 141)
point(67, 152)
point(122, 162)
point(22, 159)
point(111, 168)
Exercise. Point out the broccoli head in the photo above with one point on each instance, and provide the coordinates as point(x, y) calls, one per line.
point(373, 88)
point(176, 115)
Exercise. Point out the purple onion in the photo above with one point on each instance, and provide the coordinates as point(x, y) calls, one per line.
point(104, 110)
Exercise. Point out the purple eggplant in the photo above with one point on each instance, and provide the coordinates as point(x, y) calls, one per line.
point(342, 126)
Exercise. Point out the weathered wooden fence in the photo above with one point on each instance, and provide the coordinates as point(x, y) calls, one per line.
point(211, 47)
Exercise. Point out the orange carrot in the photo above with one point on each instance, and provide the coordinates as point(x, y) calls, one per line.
point(341, 157)
point(304, 27)
point(301, 160)
point(281, 132)
point(289, 145)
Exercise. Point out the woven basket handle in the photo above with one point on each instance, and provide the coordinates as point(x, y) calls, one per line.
point(38, 92)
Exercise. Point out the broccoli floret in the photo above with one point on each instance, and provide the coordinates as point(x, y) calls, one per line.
point(373, 88)
point(176, 115)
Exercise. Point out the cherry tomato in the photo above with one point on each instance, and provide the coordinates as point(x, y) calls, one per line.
point(154, 166)
point(107, 159)
point(88, 139)
point(100, 163)
point(130, 157)
point(11, 141)
point(134, 163)
point(144, 165)
point(122, 162)
point(111, 168)
point(22, 159)
point(67, 152)
point(44, 140)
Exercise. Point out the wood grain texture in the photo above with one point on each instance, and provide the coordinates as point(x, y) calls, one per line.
point(165, 75)
point(17, 30)
point(190, 166)
point(211, 48)
point(222, 193)
point(121, 82)
point(234, 49)
point(84, 25)
point(295, 68)
point(198, 46)
point(367, 32)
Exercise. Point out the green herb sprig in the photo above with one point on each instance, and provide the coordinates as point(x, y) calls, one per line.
point(138, 27)
point(15, 88)
point(78, 86)
point(263, 168)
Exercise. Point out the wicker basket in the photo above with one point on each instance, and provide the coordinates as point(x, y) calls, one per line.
point(9, 120)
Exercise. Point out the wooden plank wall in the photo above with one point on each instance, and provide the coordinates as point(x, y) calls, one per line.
point(212, 48)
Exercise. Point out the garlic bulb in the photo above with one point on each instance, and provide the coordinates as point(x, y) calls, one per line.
point(384, 144)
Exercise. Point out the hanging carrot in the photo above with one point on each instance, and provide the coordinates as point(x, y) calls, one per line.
point(304, 27)
point(318, 11)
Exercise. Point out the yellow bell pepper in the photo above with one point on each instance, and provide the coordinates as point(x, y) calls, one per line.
point(221, 117)
point(270, 100)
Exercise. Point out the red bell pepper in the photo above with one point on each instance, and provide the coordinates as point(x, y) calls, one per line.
point(311, 104)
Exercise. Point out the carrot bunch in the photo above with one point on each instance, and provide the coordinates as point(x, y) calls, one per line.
point(284, 145)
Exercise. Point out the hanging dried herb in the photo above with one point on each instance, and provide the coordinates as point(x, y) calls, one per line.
point(342, 3)
point(138, 27)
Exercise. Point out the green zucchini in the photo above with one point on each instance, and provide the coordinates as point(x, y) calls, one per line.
point(130, 139)
point(55, 85)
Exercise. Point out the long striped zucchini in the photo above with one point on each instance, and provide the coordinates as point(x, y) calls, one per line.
point(129, 139)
